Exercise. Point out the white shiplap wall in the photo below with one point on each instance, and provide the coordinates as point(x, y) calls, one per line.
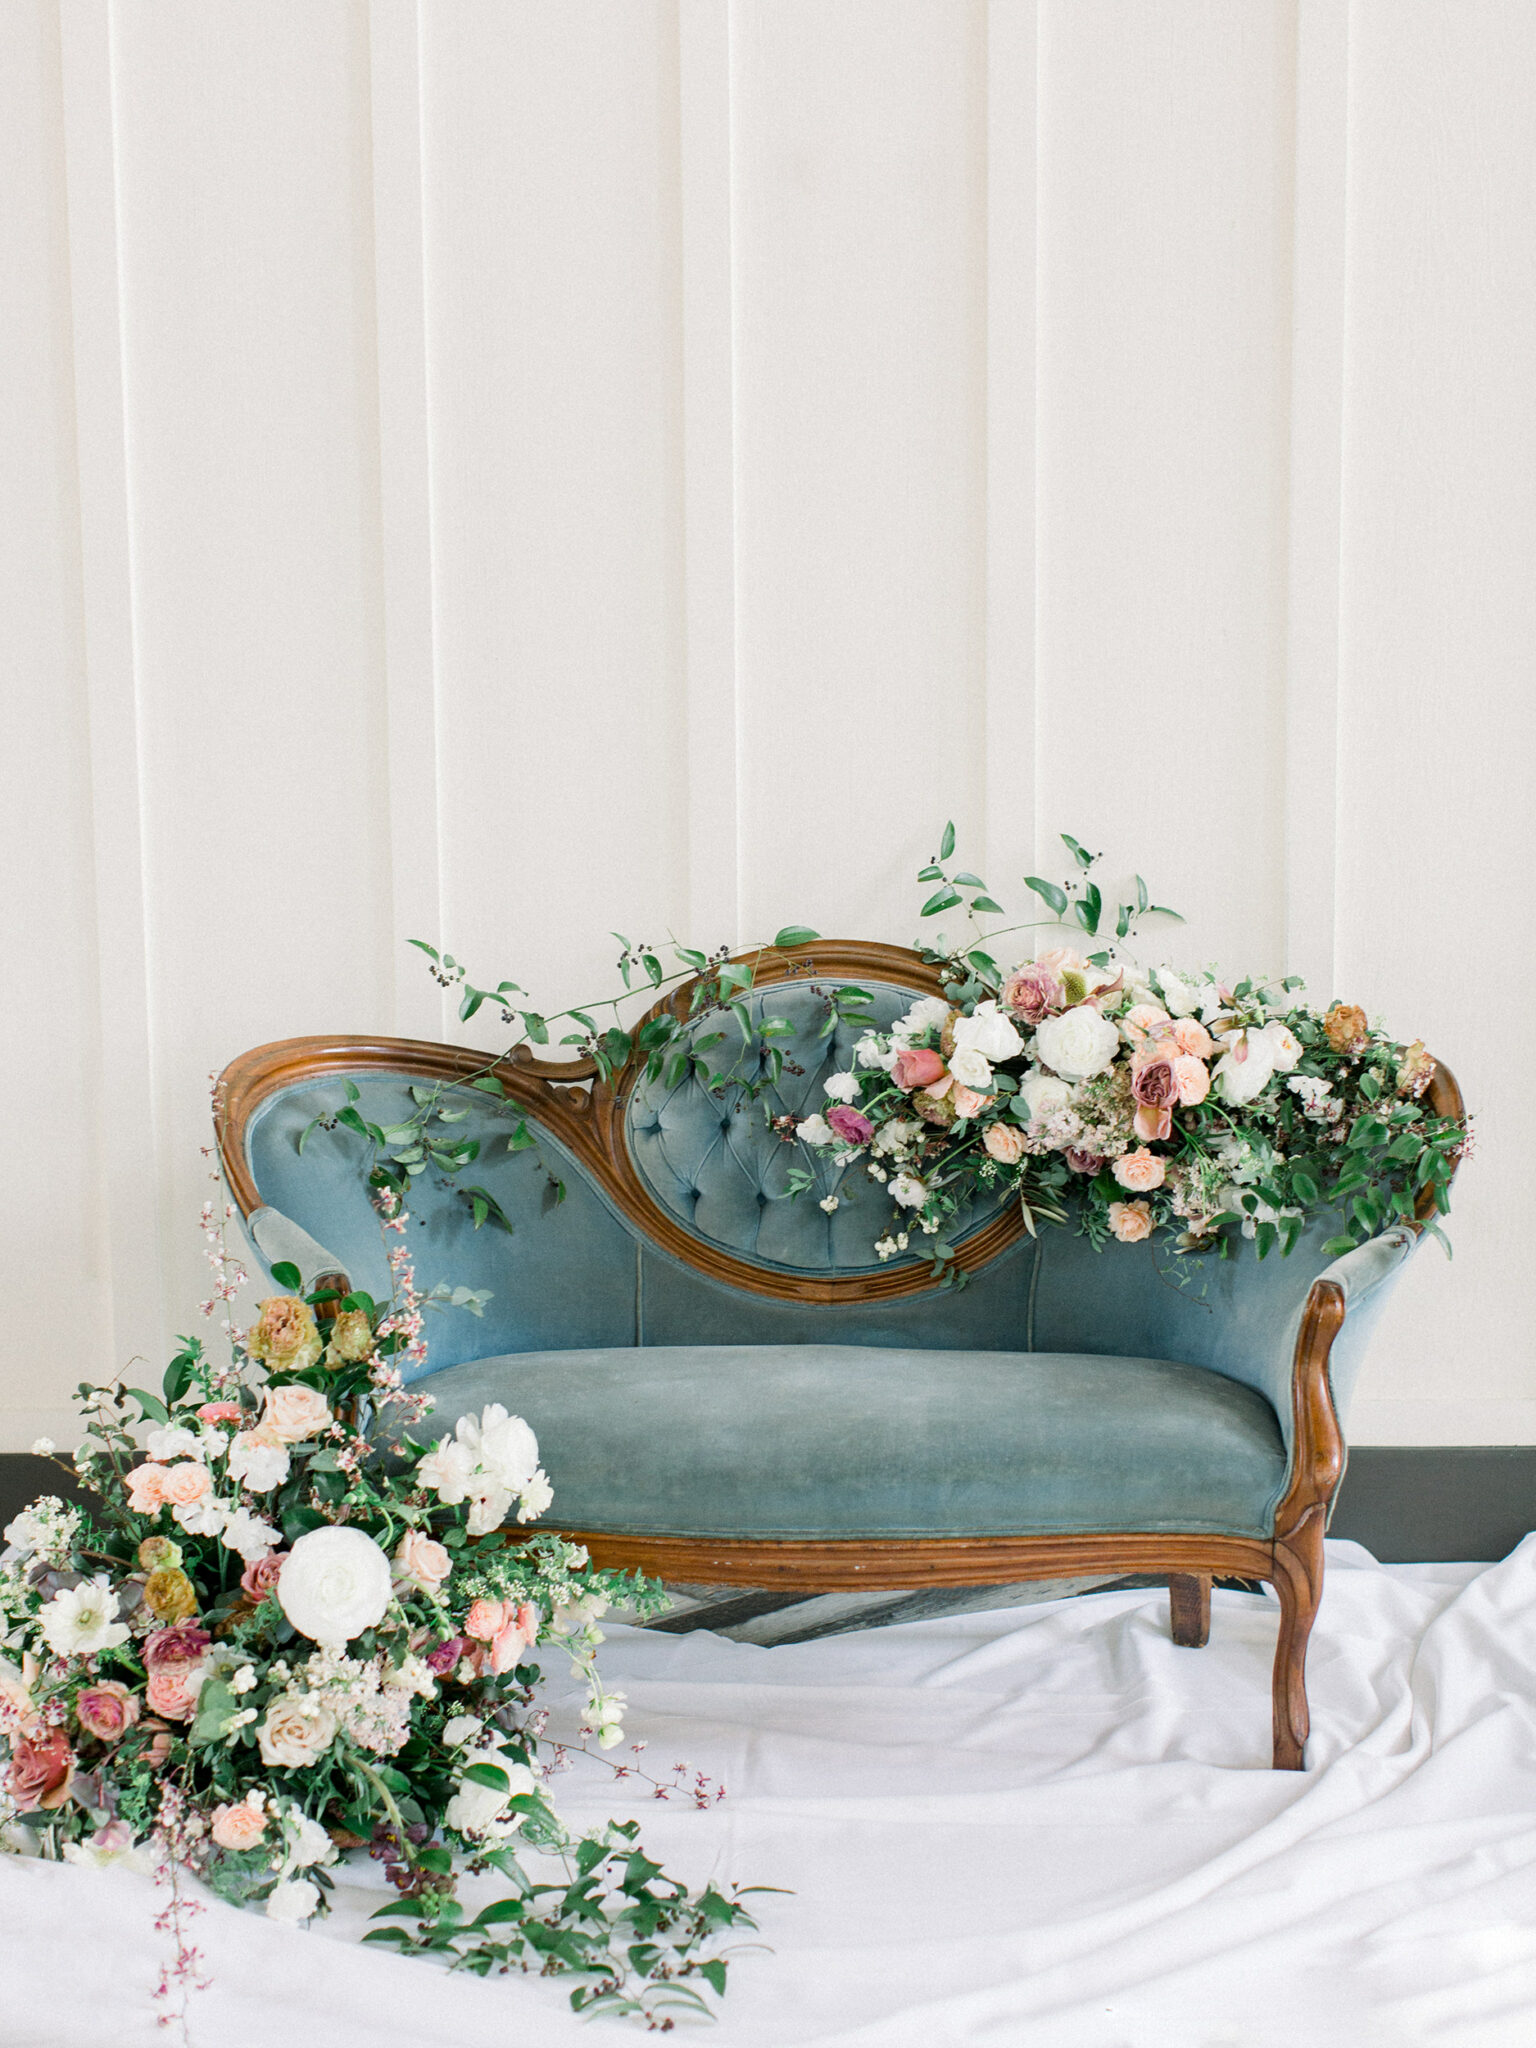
point(489, 469)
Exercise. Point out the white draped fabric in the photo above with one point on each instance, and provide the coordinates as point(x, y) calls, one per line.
point(1047, 1825)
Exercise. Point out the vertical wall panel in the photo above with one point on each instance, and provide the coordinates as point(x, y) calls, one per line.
point(553, 267)
point(52, 1216)
point(1167, 136)
point(1438, 713)
point(253, 479)
point(861, 281)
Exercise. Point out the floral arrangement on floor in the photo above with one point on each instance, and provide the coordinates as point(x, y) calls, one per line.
point(285, 1628)
point(1143, 1103)
point(1182, 1105)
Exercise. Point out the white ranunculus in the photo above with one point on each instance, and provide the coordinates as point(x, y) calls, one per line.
point(507, 1448)
point(1078, 1044)
point(461, 1728)
point(293, 1900)
point(473, 1808)
point(815, 1130)
point(841, 1087)
point(82, 1621)
point(201, 1517)
point(1285, 1048)
point(1180, 998)
point(869, 1053)
point(248, 1536)
point(173, 1442)
point(907, 1189)
point(990, 1032)
point(536, 1496)
point(972, 1069)
point(298, 1728)
point(893, 1136)
point(334, 1583)
point(1245, 1068)
point(449, 1469)
point(929, 1013)
point(258, 1459)
point(308, 1843)
point(1044, 1094)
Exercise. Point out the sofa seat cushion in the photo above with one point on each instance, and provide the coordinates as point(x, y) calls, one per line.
point(825, 1440)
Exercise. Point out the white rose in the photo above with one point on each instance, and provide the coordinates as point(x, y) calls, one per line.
point(990, 1032)
point(308, 1843)
point(841, 1087)
point(893, 1136)
point(258, 1459)
point(815, 1130)
point(460, 1729)
point(971, 1068)
point(506, 1446)
point(1180, 999)
point(334, 1583)
point(473, 1808)
point(173, 1442)
point(868, 1053)
point(449, 1469)
point(297, 1730)
point(247, 1535)
point(907, 1189)
point(930, 1013)
point(1284, 1046)
point(202, 1517)
point(82, 1621)
point(293, 1900)
point(1044, 1095)
point(1244, 1069)
point(1078, 1044)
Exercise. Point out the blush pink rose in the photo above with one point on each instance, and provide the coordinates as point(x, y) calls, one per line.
point(170, 1690)
point(238, 1827)
point(260, 1578)
point(1140, 1171)
point(1144, 1021)
point(295, 1412)
point(42, 1769)
point(917, 1066)
point(1192, 1038)
point(146, 1489)
point(1063, 960)
point(850, 1126)
point(421, 1560)
point(509, 1629)
point(483, 1619)
point(1004, 1143)
point(106, 1710)
point(220, 1411)
point(968, 1102)
point(185, 1483)
point(1130, 1221)
point(1193, 1079)
point(1031, 993)
point(1153, 1126)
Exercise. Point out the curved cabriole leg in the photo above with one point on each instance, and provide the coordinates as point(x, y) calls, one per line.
point(1299, 1582)
point(1189, 1609)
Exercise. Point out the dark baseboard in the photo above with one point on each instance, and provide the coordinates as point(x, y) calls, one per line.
point(1407, 1505)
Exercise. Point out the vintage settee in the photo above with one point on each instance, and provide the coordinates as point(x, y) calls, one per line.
point(728, 1387)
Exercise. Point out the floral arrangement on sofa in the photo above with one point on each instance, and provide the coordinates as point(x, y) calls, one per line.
point(284, 1628)
point(1184, 1105)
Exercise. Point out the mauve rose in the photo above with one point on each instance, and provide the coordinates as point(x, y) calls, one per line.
point(169, 1690)
point(42, 1766)
point(1082, 1161)
point(849, 1125)
point(445, 1656)
point(107, 1710)
point(258, 1579)
point(183, 1644)
point(917, 1066)
point(1032, 992)
point(1155, 1084)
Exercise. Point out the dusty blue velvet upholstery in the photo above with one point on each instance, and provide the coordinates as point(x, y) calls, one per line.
point(1062, 1389)
point(813, 1440)
point(707, 1154)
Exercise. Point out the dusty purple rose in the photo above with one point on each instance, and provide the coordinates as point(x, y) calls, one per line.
point(1031, 992)
point(183, 1644)
point(1081, 1161)
point(259, 1579)
point(446, 1655)
point(1156, 1084)
point(849, 1125)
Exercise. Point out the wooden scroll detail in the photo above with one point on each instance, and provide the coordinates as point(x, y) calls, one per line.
point(586, 1114)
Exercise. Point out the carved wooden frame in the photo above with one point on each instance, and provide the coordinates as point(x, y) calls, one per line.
point(586, 1113)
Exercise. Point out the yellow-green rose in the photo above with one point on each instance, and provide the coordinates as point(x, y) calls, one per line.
point(169, 1594)
point(158, 1552)
point(284, 1334)
point(351, 1338)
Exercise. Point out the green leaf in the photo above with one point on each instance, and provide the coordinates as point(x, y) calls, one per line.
point(154, 1408)
point(1055, 897)
point(535, 1026)
point(430, 951)
point(986, 903)
point(1087, 908)
point(982, 962)
point(1080, 854)
point(967, 881)
point(1141, 895)
point(1162, 910)
point(485, 1208)
point(1305, 1186)
point(286, 1274)
point(1265, 1238)
point(941, 899)
point(489, 1774)
point(947, 843)
point(1123, 921)
point(1336, 1247)
point(795, 935)
point(469, 1002)
point(489, 1083)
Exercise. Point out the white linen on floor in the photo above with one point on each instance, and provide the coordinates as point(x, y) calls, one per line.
point(1047, 1825)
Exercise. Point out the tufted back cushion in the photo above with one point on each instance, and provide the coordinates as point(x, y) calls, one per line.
point(707, 1151)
